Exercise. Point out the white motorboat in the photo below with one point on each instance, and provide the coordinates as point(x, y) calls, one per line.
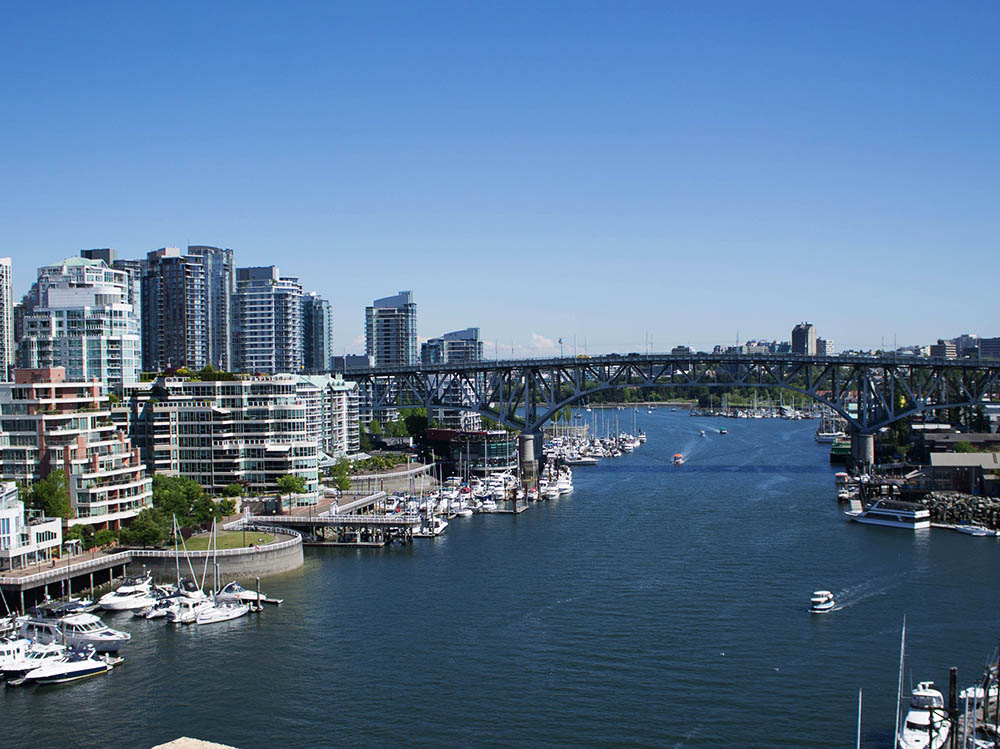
point(235, 592)
point(13, 650)
point(488, 505)
point(821, 602)
point(894, 514)
point(134, 593)
point(36, 655)
point(678, 459)
point(580, 460)
point(222, 611)
point(185, 610)
point(76, 664)
point(926, 725)
point(976, 530)
point(434, 527)
point(702, 433)
point(74, 631)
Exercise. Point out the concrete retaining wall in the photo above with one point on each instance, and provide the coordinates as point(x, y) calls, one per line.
point(281, 556)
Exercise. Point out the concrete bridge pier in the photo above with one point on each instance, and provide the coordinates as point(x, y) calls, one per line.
point(529, 448)
point(863, 449)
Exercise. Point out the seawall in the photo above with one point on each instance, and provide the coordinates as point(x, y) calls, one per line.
point(281, 556)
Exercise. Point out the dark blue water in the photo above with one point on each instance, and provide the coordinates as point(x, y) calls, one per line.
point(655, 606)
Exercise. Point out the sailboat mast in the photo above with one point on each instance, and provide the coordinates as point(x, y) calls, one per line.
point(899, 688)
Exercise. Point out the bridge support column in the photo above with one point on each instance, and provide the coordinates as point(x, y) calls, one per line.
point(529, 449)
point(863, 449)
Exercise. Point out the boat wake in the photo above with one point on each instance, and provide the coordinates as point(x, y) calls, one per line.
point(860, 593)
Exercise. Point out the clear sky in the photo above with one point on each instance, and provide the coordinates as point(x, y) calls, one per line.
point(680, 172)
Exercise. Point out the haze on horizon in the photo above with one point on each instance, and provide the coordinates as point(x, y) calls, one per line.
point(618, 175)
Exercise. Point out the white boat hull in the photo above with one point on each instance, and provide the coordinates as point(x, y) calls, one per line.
point(887, 522)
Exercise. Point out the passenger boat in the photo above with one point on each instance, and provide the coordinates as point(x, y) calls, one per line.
point(678, 459)
point(821, 602)
point(894, 514)
point(75, 631)
point(926, 725)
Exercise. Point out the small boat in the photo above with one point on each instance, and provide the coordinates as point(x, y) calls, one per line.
point(13, 650)
point(435, 527)
point(678, 459)
point(702, 433)
point(77, 664)
point(185, 610)
point(926, 725)
point(894, 514)
point(222, 611)
point(723, 431)
point(36, 655)
point(975, 530)
point(821, 602)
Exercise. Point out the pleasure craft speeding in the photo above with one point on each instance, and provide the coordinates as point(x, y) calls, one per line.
point(926, 725)
point(821, 602)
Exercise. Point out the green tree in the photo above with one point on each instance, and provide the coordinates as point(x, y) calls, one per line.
point(416, 422)
point(149, 528)
point(375, 428)
point(965, 446)
point(396, 429)
point(340, 473)
point(87, 536)
point(50, 496)
point(105, 537)
point(226, 507)
point(183, 497)
point(233, 490)
point(291, 483)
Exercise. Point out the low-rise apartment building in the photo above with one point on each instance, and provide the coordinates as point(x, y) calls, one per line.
point(24, 541)
point(49, 424)
point(240, 430)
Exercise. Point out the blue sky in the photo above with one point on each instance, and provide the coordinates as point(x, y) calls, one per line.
point(614, 172)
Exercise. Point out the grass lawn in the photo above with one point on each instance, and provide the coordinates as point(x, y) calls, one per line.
point(229, 540)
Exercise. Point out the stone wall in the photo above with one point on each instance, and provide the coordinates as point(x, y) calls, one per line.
point(240, 564)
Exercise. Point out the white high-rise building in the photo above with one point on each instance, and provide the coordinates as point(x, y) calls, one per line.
point(391, 330)
point(84, 323)
point(268, 321)
point(6, 319)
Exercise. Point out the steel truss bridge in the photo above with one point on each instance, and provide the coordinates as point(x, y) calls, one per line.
point(525, 394)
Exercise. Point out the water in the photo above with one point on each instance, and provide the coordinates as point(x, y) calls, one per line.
point(655, 606)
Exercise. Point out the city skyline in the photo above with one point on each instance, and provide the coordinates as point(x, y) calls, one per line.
point(674, 174)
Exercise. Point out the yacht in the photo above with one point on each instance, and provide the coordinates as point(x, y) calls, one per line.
point(76, 664)
point(580, 460)
point(222, 611)
point(821, 602)
point(135, 593)
point(76, 630)
point(893, 513)
point(926, 725)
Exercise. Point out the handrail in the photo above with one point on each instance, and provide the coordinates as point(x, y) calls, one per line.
point(121, 556)
point(334, 519)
